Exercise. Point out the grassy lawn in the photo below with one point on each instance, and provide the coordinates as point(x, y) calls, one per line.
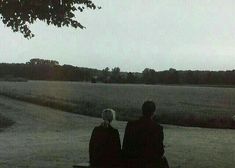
point(180, 105)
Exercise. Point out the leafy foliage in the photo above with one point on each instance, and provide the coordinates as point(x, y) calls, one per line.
point(19, 14)
point(36, 61)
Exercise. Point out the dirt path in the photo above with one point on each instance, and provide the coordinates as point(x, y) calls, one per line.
point(44, 137)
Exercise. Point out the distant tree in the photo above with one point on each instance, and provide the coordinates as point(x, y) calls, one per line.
point(230, 77)
point(149, 76)
point(38, 61)
point(106, 71)
point(131, 78)
point(105, 75)
point(190, 78)
point(94, 79)
point(116, 71)
point(19, 14)
point(171, 76)
point(115, 75)
point(40, 69)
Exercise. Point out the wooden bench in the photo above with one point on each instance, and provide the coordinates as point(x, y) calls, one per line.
point(85, 165)
point(81, 165)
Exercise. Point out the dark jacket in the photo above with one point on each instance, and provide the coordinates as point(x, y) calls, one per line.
point(143, 143)
point(104, 147)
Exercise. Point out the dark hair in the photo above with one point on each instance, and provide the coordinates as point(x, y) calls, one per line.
point(148, 108)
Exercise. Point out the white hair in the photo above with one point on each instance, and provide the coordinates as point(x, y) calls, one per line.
point(233, 117)
point(108, 115)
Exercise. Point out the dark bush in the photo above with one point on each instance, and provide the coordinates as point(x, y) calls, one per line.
point(5, 122)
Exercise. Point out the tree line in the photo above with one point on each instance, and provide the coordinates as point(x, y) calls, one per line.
point(40, 69)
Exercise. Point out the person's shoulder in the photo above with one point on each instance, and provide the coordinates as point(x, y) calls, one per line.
point(132, 123)
point(113, 130)
point(98, 128)
point(158, 126)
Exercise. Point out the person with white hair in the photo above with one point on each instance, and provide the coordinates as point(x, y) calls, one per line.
point(108, 116)
point(105, 145)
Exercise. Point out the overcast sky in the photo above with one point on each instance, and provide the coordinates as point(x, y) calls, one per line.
point(135, 34)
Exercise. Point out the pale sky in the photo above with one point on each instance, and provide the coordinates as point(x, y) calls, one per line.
point(135, 34)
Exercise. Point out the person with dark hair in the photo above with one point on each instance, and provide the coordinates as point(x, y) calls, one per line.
point(148, 109)
point(143, 141)
point(105, 146)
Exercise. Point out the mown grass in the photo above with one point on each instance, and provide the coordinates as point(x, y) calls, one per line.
point(178, 105)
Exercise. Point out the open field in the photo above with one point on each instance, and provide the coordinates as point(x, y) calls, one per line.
point(47, 138)
point(180, 105)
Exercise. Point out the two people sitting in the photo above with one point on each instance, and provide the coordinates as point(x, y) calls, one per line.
point(142, 144)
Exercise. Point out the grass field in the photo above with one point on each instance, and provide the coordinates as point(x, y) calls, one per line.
point(180, 105)
point(5, 122)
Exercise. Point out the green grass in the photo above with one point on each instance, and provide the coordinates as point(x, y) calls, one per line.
point(180, 105)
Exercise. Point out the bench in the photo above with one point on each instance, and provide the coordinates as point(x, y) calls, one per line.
point(81, 165)
point(85, 165)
